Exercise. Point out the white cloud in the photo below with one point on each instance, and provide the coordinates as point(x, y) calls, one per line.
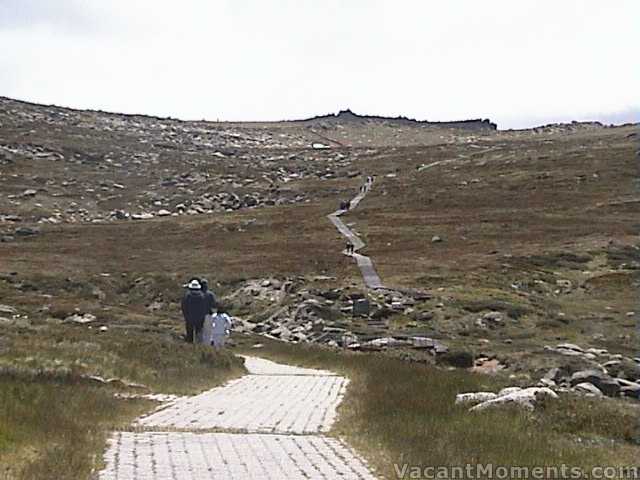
point(518, 63)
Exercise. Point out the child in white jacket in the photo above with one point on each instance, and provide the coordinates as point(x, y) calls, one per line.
point(221, 326)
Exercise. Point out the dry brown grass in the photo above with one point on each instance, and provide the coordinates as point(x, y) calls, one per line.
point(56, 429)
point(54, 421)
point(531, 197)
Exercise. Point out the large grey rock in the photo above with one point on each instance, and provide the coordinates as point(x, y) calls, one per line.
point(628, 389)
point(570, 346)
point(524, 398)
point(588, 389)
point(81, 318)
point(436, 347)
point(494, 318)
point(281, 332)
point(386, 342)
point(424, 316)
point(597, 351)
point(612, 364)
point(26, 231)
point(623, 368)
point(382, 313)
point(333, 294)
point(509, 391)
point(474, 398)
point(361, 307)
point(7, 310)
point(299, 337)
point(555, 375)
point(249, 201)
point(606, 384)
point(142, 216)
point(545, 382)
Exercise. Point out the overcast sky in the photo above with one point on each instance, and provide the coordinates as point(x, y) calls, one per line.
point(520, 63)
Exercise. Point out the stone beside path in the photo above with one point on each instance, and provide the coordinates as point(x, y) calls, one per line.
point(264, 425)
point(370, 276)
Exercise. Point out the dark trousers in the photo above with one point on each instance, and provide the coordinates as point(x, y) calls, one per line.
point(193, 331)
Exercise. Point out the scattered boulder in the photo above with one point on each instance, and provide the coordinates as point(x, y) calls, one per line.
point(117, 382)
point(490, 320)
point(624, 368)
point(333, 294)
point(7, 310)
point(524, 398)
point(555, 375)
point(597, 351)
point(488, 366)
point(588, 389)
point(249, 201)
point(26, 231)
point(474, 398)
point(142, 216)
point(508, 391)
point(493, 317)
point(281, 332)
point(605, 384)
point(629, 389)
point(570, 346)
point(424, 316)
point(120, 215)
point(81, 318)
point(434, 346)
point(382, 313)
point(385, 342)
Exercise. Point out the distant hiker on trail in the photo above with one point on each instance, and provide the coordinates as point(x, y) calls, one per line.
point(221, 327)
point(194, 310)
point(350, 248)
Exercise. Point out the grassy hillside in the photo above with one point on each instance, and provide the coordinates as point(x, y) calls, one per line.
point(108, 215)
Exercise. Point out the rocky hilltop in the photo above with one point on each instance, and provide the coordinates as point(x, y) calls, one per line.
point(345, 116)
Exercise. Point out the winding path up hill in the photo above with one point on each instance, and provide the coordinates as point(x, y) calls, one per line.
point(369, 274)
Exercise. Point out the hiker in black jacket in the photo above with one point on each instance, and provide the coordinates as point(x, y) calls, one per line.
point(194, 309)
point(209, 295)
